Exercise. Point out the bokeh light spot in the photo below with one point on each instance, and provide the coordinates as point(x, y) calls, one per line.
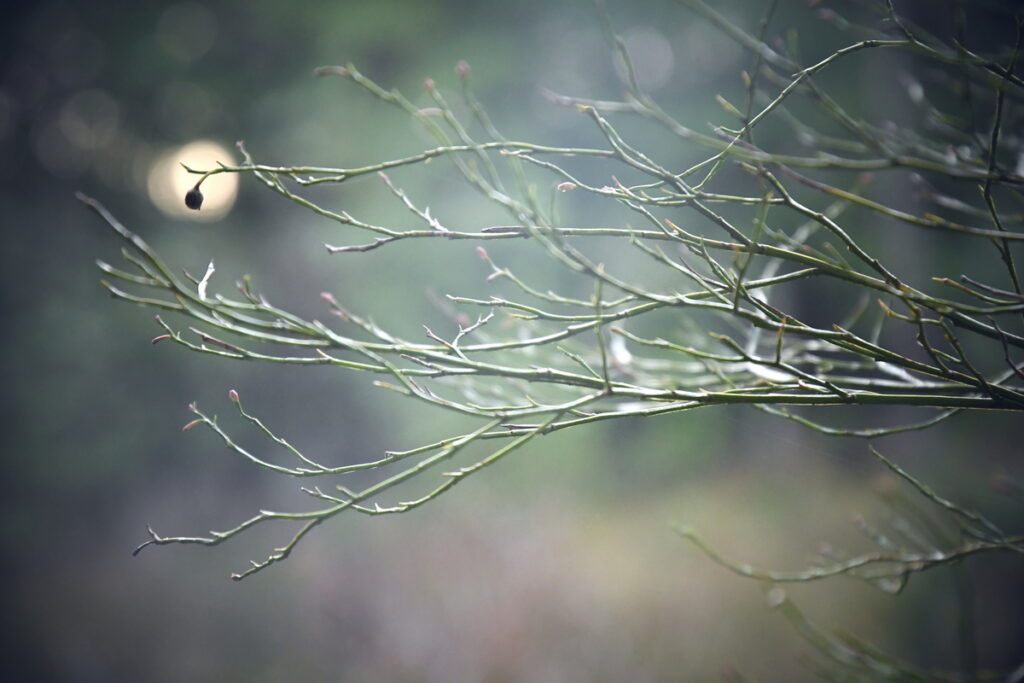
point(89, 119)
point(168, 181)
point(186, 31)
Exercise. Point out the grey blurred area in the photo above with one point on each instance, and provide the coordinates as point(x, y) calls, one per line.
point(559, 563)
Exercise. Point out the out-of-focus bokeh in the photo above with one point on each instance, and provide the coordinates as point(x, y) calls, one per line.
point(558, 564)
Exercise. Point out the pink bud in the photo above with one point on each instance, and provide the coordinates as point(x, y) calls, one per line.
point(329, 298)
point(430, 111)
point(233, 395)
point(482, 253)
point(332, 70)
point(462, 69)
point(190, 425)
point(429, 84)
point(565, 187)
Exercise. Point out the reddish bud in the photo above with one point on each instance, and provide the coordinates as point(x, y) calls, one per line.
point(482, 253)
point(160, 338)
point(332, 71)
point(233, 395)
point(190, 425)
point(462, 69)
point(565, 187)
point(329, 298)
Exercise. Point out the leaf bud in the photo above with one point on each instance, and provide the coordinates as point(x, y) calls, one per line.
point(194, 198)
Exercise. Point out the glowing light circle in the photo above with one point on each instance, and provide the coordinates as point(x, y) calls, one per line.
point(168, 181)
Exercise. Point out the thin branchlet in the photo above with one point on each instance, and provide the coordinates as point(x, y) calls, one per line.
point(537, 360)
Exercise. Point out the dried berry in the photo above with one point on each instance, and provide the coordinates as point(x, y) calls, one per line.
point(194, 198)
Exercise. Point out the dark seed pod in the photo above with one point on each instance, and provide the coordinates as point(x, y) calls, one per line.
point(194, 198)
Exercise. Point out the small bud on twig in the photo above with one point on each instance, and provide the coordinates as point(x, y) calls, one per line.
point(233, 395)
point(428, 84)
point(482, 253)
point(332, 71)
point(194, 198)
point(462, 69)
point(565, 187)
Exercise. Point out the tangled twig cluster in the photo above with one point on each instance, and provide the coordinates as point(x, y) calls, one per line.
point(945, 346)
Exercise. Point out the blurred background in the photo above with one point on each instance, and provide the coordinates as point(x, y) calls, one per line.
point(559, 563)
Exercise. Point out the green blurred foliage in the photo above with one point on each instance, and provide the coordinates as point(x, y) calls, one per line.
point(556, 565)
